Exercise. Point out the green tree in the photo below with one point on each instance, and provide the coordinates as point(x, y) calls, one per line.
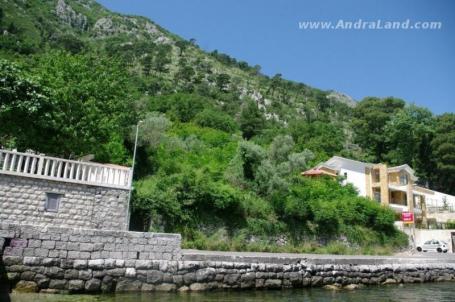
point(182, 45)
point(147, 63)
point(93, 98)
point(408, 135)
point(162, 59)
point(27, 111)
point(216, 119)
point(69, 43)
point(251, 119)
point(444, 153)
point(186, 73)
point(152, 130)
point(222, 81)
point(280, 148)
point(324, 139)
point(370, 119)
point(180, 106)
point(275, 83)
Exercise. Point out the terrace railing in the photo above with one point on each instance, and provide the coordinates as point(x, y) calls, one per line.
point(58, 169)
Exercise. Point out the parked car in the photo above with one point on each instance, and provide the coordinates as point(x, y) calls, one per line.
point(433, 246)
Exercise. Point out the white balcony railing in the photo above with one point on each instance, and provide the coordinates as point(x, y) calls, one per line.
point(52, 168)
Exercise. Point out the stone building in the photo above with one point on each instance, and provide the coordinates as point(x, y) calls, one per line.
point(48, 191)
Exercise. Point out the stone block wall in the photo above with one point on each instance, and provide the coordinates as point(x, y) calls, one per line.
point(22, 199)
point(54, 275)
point(62, 260)
point(87, 244)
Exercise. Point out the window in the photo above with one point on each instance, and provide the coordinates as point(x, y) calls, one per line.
point(345, 174)
point(403, 179)
point(52, 202)
point(377, 195)
point(376, 175)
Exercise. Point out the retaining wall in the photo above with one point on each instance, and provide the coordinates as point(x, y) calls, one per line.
point(60, 260)
point(109, 275)
point(83, 244)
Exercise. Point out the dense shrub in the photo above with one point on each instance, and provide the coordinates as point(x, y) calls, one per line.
point(216, 119)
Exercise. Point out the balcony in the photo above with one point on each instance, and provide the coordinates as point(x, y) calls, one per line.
point(398, 208)
point(57, 169)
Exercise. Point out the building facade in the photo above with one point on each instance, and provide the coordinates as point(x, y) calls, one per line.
point(48, 191)
point(391, 186)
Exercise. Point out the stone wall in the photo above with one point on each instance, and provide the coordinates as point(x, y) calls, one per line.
point(83, 244)
point(23, 199)
point(115, 275)
point(62, 260)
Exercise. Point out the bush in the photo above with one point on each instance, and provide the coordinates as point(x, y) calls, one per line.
point(216, 119)
point(180, 106)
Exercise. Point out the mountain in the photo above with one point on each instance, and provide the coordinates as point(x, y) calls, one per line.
point(156, 55)
point(221, 145)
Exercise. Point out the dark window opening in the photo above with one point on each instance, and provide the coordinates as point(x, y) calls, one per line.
point(403, 179)
point(52, 202)
point(376, 175)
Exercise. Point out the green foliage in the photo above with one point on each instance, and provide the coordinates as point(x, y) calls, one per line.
point(450, 224)
point(92, 99)
point(222, 82)
point(443, 145)
point(251, 120)
point(331, 209)
point(322, 138)
point(280, 148)
point(216, 119)
point(151, 129)
point(180, 106)
point(69, 43)
point(370, 119)
point(27, 110)
point(408, 135)
point(114, 151)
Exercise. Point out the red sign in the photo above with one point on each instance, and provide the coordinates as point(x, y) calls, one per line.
point(407, 217)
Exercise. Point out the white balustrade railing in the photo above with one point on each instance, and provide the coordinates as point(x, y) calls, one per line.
point(52, 168)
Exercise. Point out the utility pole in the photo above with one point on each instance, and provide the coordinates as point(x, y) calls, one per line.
point(128, 214)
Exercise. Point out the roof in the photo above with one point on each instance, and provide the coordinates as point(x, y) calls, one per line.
point(317, 172)
point(350, 160)
point(405, 167)
point(338, 162)
point(313, 172)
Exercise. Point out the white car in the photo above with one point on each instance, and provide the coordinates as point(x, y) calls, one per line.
point(433, 246)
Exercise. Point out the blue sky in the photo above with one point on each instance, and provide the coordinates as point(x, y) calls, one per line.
point(416, 65)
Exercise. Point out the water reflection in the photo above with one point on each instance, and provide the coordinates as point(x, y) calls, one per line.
point(441, 292)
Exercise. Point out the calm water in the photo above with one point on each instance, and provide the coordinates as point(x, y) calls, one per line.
point(440, 292)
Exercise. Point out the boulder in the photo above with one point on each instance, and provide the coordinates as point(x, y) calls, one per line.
point(58, 284)
point(165, 287)
point(75, 285)
point(332, 287)
point(154, 277)
point(93, 285)
point(272, 283)
point(26, 287)
point(128, 285)
point(198, 286)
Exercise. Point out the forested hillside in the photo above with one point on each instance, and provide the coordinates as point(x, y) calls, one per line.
point(221, 145)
